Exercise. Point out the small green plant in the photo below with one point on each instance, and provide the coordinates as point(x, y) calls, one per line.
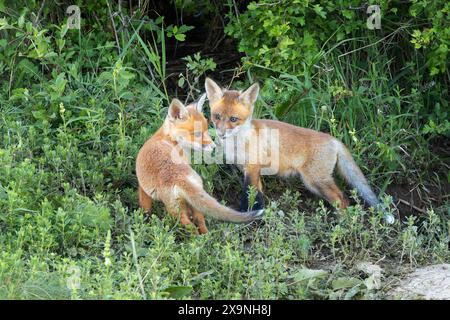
point(178, 33)
point(196, 67)
point(281, 36)
point(252, 192)
point(199, 66)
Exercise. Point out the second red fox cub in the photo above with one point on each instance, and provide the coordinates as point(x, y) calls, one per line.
point(172, 180)
point(311, 154)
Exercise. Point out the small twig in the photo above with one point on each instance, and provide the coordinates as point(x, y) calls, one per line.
point(268, 4)
point(372, 44)
point(412, 206)
point(114, 27)
point(38, 14)
point(236, 74)
point(96, 18)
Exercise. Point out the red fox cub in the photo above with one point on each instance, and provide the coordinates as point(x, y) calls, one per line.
point(311, 154)
point(173, 181)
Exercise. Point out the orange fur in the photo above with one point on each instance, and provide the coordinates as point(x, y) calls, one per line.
point(311, 154)
point(175, 183)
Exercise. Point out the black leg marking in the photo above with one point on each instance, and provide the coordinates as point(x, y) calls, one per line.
point(244, 197)
point(259, 203)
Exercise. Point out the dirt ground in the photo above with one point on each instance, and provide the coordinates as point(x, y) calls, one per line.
point(429, 283)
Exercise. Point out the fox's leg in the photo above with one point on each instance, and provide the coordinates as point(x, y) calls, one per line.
point(179, 209)
point(331, 192)
point(326, 188)
point(199, 221)
point(252, 177)
point(145, 201)
point(317, 174)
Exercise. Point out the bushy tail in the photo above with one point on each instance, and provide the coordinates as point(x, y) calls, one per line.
point(350, 171)
point(203, 202)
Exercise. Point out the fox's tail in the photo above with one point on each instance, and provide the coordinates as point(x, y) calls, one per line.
point(202, 201)
point(350, 171)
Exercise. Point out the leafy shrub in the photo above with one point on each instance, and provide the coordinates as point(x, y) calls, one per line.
point(283, 35)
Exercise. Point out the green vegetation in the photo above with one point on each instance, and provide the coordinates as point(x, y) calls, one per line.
point(77, 105)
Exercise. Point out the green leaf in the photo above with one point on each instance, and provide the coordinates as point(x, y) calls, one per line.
point(252, 6)
point(21, 21)
point(127, 95)
point(3, 22)
point(61, 82)
point(345, 282)
point(319, 10)
point(184, 28)
point(181, 82)
point(178, 292)
point(180, 37)
point(308, 274)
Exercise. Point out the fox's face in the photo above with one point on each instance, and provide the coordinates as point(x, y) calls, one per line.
point(188, 126)
point(231, 110)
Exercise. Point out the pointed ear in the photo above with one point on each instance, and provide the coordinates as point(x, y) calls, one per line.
point(200, 103)
point(213, 91)
point(250, 95)
point(177, 111)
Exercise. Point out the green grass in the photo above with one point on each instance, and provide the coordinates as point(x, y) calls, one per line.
point(72, 121)
point(68, 182)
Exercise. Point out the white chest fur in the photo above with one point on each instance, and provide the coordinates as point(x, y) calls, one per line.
point(251, 147)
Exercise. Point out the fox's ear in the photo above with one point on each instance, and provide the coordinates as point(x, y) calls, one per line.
point(213, 91)
point(200, 103)
point(177, 111)
point(250, 95)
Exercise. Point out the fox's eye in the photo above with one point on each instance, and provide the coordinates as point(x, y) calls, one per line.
point(217, 116)
point(233, 119)
point(198, 134)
